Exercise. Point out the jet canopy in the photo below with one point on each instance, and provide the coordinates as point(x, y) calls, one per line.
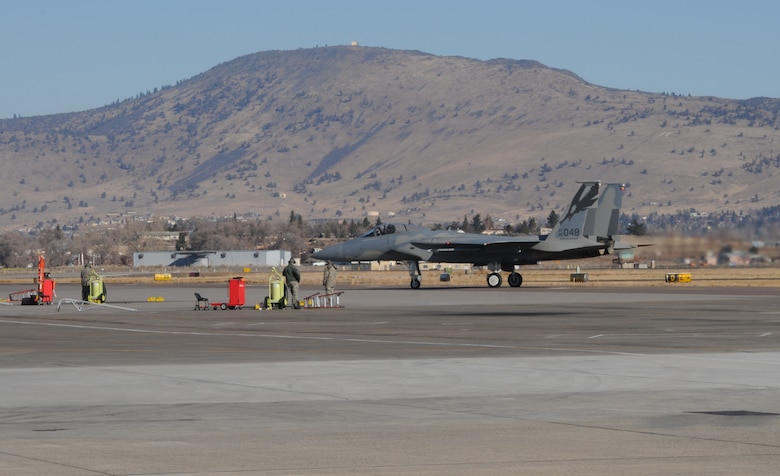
point(389, 229)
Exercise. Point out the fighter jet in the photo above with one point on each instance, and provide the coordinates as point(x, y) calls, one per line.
point(585, 231)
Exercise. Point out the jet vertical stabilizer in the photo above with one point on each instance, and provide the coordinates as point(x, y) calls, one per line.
point(570, 231)
point(606, 219)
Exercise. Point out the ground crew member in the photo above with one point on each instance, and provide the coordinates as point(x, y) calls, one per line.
point(86, 275)
point(329, 278)
point(329, 281)
point(291, 279)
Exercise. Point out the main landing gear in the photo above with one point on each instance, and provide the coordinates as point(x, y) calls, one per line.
point(514, 279)
point(494, 279)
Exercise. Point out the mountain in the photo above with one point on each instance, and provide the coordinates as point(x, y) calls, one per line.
point(350, 131)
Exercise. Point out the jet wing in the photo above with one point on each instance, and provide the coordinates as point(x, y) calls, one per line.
point(477, 243)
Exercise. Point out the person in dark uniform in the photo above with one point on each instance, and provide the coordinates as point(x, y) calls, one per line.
point(291, 279)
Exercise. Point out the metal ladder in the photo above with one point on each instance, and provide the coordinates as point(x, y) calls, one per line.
point(317, 300)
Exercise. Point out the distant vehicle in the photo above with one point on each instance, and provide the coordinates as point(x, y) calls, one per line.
point(585, 231)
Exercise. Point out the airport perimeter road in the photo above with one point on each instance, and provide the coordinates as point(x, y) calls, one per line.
point(592, 381)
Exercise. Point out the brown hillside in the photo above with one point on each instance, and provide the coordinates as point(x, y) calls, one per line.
point(344, 131)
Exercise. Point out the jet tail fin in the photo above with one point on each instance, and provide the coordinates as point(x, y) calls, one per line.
point(574, 223)
point(603, 224)
point(569, 232)
point(604, 220)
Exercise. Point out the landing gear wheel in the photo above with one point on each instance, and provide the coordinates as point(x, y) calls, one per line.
point(414, 273)
point(494, 280)
point(515, 280)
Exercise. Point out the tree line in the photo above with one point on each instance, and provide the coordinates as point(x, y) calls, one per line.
point(115, 246)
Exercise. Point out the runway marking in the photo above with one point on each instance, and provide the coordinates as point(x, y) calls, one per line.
point(282, 336)
point(344, 339)
point(596, 336)
point(148, 331)
point(765, 334)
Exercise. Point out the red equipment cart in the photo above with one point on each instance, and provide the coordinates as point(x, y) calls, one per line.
point(236, 295)
point(45, 292)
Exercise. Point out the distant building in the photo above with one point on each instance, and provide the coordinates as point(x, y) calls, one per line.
point(207, 259)
point(164, 240)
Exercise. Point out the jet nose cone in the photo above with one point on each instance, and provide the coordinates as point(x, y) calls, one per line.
point(331, 253)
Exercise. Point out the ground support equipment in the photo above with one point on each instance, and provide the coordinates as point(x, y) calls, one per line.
point(236, 295)
point(97, 289)
point(45, 292)
point(277, 294)
point(317, 300)
point(202, 304)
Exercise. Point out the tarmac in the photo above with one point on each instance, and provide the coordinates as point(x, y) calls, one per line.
point(451, 380)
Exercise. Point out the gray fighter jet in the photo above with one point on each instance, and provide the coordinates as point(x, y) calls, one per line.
point(585, 231)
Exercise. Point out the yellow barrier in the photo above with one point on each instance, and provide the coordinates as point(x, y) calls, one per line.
point(162, 277)
point(678, 278)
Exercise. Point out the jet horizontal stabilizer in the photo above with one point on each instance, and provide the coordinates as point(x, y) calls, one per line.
point(622, 246)
point(561, 246)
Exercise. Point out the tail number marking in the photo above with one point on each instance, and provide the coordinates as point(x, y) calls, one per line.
point(565, 233)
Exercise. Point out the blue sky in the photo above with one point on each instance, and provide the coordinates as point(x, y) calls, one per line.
point(72, 55)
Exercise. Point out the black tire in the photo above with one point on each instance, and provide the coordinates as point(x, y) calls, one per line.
point(415, 284)
point(515, 280)
point(223, 306)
